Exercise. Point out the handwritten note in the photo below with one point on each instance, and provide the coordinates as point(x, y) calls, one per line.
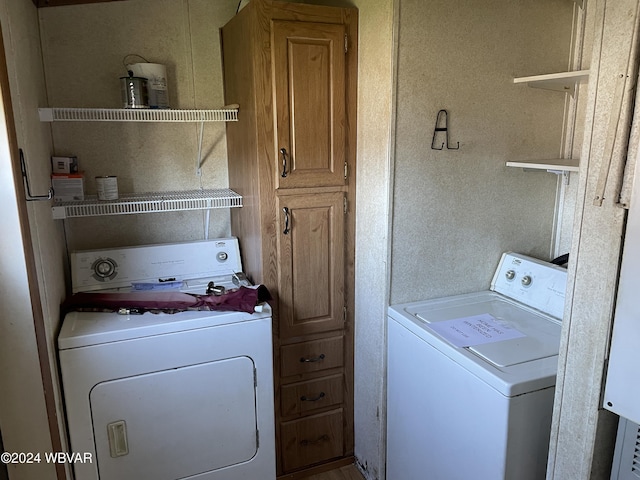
point(474, 330)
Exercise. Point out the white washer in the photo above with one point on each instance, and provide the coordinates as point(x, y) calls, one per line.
point(461, 402)
point(167, 396)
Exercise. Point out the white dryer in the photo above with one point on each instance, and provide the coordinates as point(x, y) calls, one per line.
point(167, 396)
point(471, 378)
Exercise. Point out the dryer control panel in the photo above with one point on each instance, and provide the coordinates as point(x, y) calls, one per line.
point(167, 264)
point(532, 282)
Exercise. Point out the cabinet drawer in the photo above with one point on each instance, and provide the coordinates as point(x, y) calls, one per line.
point(311, 356)
point(311, 440)
point(304, 397)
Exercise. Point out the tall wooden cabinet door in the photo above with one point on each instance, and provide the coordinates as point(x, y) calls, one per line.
point(311, 262)
point(309, 81)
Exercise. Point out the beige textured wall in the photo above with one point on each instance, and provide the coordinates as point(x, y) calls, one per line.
point(575, 119)
point(84, 47)
point(23, 418)
point(582, 432)
point(373, 221)
point(456, 211)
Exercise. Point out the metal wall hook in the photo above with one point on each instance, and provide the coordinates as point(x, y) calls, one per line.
point(436, 129)
point(29, 196)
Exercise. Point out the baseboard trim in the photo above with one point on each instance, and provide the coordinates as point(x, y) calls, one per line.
point(325, 467)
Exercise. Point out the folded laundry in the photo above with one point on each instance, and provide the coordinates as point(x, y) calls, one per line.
point(242, 299)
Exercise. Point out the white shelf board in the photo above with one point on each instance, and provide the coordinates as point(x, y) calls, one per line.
point(561, 82)
point(554, 165)
point(227, 114)
point(148, 203)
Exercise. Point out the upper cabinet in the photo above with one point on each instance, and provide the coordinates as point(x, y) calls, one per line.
point(309, 82)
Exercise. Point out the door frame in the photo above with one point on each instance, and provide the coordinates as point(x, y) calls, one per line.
point(15, 193)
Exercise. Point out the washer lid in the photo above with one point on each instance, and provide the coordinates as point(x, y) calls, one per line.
point(541, 333)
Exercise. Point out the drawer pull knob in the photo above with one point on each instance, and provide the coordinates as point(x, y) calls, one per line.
point(315, 399)
point(311, 360)
point(322, 438)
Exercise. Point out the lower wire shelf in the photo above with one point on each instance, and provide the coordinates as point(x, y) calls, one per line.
point(139, 203)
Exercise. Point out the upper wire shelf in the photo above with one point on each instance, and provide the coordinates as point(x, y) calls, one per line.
point(148, 203)
point(227, 114)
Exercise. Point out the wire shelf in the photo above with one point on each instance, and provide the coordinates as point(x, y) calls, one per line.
point(148, 203)
point(136, 115)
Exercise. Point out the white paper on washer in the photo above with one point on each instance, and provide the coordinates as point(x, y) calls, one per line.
point(474, 330)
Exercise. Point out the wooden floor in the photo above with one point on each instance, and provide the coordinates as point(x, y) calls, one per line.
point(350, 472)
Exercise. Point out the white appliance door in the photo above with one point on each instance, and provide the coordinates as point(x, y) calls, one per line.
point(445, 423)
point(175, 423)
point(622, 389)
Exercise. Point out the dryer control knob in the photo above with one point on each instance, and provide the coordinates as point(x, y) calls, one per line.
point(526, 280)
point(104, 268)
point(511, 274)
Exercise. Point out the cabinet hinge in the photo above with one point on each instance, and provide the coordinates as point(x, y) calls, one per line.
point(344, 204)
point(346, 169)
point(344, 314)
point(346, 43)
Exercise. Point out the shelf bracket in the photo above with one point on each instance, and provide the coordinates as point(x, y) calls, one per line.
point(199, 158)
point(565, 175)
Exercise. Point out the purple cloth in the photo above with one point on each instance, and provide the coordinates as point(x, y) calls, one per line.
point(243, 299)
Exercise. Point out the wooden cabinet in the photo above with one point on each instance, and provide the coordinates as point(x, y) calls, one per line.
point(312, 356)
point(311, 263)
point(309, 75)
point(310, 440)
point(312, 395)
point(292, 69)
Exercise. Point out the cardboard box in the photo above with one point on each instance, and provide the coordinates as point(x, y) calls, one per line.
point(68, 187)
point(64, 165)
